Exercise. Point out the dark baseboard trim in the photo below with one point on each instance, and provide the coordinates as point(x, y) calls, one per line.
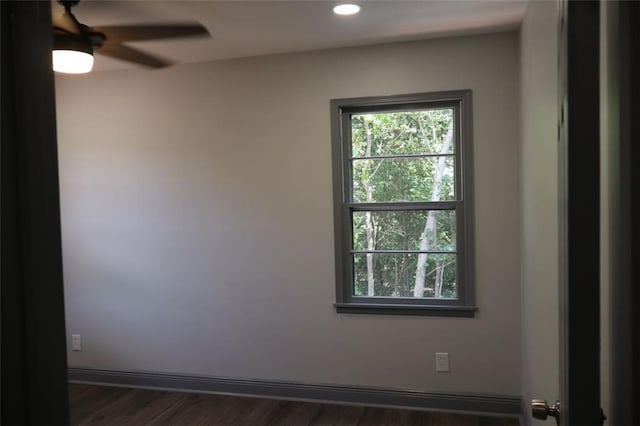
point(470, 403)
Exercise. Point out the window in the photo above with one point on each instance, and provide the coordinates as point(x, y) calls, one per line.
point(403, 204)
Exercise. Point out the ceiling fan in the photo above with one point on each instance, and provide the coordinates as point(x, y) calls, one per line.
point(74, 42)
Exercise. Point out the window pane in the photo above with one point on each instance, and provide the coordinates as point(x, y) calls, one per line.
point(394, 275)
point(401, 133)
point(404, 230)
point(403, 179)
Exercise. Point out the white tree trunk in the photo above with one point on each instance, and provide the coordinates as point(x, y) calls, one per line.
point(371, 244)
point(439, 280)
point(369, 223)
point(429, 232)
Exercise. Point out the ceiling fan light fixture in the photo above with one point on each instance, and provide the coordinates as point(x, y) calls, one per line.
point(72, 55)
point(72, 62)
point(346, 9)
point(74, 42)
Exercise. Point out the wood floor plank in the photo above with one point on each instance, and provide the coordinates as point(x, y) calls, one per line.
point(93, 405)
point(495, 421)
point(337, 415)
point(89, 399)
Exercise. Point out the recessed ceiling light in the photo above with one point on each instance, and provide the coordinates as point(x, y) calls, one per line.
point(346, 9)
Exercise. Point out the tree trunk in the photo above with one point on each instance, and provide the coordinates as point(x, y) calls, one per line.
point(371, 244)
point(430, 230)
point(439, 280)
point(369, 223)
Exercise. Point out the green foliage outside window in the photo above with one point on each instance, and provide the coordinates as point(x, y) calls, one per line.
point(397, 157)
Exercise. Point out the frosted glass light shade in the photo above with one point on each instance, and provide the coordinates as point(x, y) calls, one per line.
point(72, 61)
point(346, 9)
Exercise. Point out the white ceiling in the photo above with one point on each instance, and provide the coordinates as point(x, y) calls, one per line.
point(242, 28)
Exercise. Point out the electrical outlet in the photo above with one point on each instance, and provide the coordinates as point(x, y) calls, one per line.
point(442, 362)
point(76, 342)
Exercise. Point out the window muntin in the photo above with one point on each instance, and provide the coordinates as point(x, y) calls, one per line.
point(402, 224)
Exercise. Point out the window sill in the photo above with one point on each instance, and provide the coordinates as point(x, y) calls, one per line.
point(415, 310)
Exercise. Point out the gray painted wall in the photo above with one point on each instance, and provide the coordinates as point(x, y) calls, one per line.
point(197, 219)
point(539, 88)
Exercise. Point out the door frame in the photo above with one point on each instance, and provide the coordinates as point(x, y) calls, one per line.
point(579, 216)
point(624, 210)
point(34, 357)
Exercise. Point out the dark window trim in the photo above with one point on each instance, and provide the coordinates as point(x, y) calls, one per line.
point(460, 101)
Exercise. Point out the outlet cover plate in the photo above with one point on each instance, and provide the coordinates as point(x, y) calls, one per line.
point(442, 362)
point(76, 342)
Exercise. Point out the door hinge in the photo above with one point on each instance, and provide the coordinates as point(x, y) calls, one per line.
point(603, 417)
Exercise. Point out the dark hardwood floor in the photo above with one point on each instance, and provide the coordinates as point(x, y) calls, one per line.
point(117, 406)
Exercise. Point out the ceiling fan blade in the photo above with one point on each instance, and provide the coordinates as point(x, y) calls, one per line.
point(126, 53)
point(124, 33)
